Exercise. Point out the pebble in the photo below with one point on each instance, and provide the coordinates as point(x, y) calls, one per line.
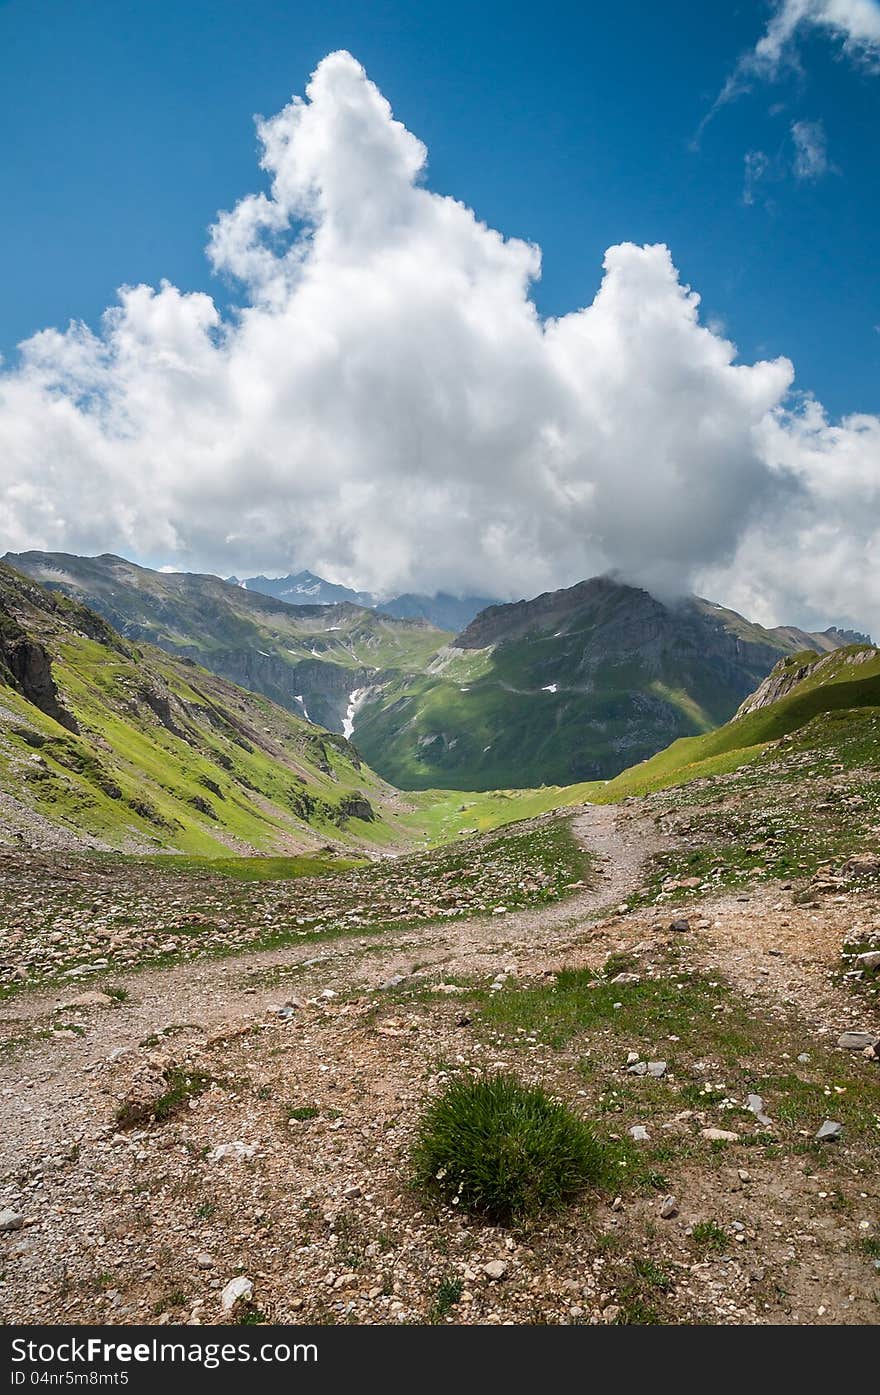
point(668, 1208)
point(639, 1133)
point(719, 1135)
point(495, 1269)
point(680, 925)
point(657, 1068)
point(10, 1220)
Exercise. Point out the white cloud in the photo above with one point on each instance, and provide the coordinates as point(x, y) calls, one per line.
point(756, 166)
point(854, 25)
point(388, 408)
point(810, 150)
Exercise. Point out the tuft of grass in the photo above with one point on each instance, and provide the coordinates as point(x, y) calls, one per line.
point(449, 1291)
point(504, 1150)
point(710, 1236)
point(300, 1112)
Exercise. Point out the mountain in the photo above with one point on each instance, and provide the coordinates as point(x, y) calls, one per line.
point(441, 610)
point(575, 685)
point(118, 745)
point(310, 659)
point(304, 588)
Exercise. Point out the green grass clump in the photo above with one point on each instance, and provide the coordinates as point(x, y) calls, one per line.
point(449, 1291)
point(301, 1112)
point(710, 1236)
point(504, 1150)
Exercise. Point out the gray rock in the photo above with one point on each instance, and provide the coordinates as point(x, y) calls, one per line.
point(869, 960)
point(756, 1105)
point(657, 1068)
point(857, 1041)
point(205, 1261)
point(10, 1220)
point(495, 1269)
point(235, 1291)
point(829, 1131)
point(393, 982)
point(680, 925)
point(639, 1133)
point(638, 1068)
point(668, 1208)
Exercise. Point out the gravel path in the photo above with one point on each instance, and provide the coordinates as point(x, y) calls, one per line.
point(205, 996)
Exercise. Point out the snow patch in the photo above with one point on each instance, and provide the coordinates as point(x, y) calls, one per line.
point(551, 688)
point(355, 698)
point(302, 702)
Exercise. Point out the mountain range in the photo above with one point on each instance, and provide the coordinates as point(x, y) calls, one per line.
point(576, 684)
point(305, 588)
point(116, 744)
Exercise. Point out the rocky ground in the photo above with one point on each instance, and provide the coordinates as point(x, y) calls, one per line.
point(70, 916)
point(226, 1139)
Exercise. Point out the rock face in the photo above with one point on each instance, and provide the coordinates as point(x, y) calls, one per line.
point(26, 665)
point(788, 673)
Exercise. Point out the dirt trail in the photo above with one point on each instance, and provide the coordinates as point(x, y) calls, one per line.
point(146, 1225)
point(205, 995)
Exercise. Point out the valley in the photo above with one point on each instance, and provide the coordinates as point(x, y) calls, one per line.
point(219, 1032)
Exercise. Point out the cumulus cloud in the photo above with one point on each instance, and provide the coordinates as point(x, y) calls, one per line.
point(388, 408)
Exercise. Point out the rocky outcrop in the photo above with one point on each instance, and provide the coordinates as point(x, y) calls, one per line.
point(26, 665)
point(792, 671)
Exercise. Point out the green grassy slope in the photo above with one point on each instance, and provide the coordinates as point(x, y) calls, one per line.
point(306, 658)
point(135, 748)
point(844, 681)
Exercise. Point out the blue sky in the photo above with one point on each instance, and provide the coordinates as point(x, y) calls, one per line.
point(126, 126)
point(332, 350)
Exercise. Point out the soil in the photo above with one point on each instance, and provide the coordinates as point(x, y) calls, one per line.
point(142, 1224)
